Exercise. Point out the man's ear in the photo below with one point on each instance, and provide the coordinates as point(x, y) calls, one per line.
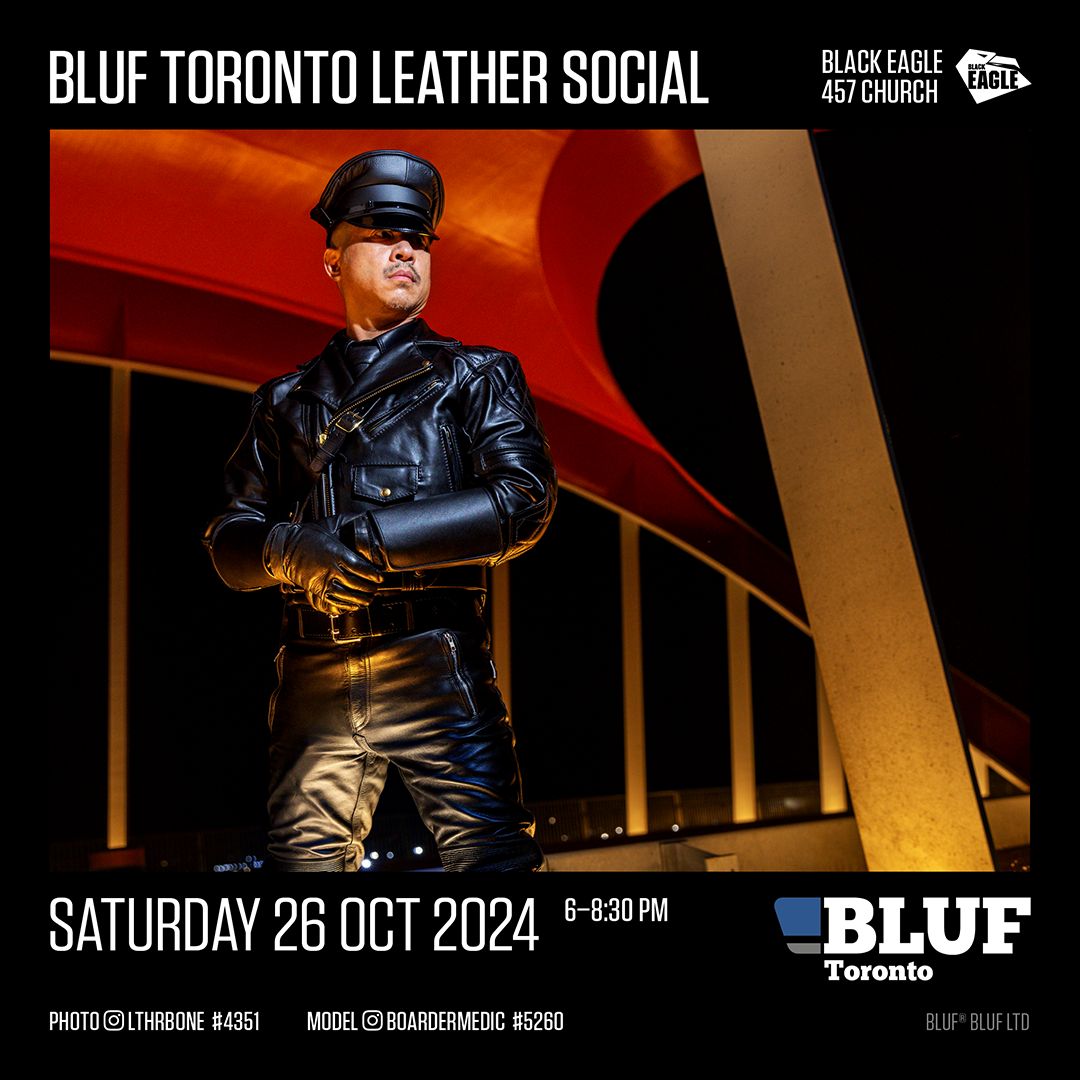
point(331, 264)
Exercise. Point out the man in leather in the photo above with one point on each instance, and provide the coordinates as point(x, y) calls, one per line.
point(373, 485)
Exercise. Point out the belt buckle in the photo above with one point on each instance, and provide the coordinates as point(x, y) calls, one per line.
point(353, 631)
point(338, 635)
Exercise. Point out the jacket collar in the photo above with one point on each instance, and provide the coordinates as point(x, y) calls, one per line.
point(330, 380)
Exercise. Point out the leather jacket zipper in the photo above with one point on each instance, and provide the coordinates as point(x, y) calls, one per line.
point(453, 459)
point(355, 421)
point(346, 420)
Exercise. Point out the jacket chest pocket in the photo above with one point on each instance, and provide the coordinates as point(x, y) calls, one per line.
point(385, 482)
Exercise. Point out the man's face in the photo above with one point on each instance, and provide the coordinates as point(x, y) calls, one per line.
point(384, 275)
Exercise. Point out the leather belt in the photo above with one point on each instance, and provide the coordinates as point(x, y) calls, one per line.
point(450, 577)
point(382, 616)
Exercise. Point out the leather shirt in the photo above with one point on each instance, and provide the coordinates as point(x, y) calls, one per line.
point(441, 457)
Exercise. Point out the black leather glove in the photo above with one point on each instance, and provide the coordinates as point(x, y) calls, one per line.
point(333, 578)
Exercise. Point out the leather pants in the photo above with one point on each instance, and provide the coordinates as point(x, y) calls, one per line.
point(426, 702)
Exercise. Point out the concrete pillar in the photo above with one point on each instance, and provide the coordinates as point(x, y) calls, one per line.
point(907, 765)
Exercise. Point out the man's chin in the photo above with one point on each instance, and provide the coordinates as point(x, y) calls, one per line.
point(406, 306)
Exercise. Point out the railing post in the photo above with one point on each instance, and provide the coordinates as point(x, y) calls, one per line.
point(499, 599)
point(119, 497)
point(637, 803)
point(831, 786)
point(740, 698)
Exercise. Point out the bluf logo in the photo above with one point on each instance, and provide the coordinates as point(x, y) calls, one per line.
point(854, 927)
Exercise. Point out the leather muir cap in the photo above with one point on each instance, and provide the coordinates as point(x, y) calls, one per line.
point(383, 189)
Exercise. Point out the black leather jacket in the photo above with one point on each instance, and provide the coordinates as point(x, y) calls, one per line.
point(447, 465)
